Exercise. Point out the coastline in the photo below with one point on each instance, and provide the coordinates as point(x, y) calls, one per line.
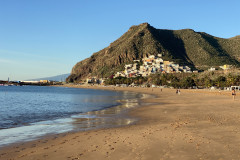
point(196, 124)
point(111, 113)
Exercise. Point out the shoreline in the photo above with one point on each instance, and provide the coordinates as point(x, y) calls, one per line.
point(108, 117)
point(192, 125)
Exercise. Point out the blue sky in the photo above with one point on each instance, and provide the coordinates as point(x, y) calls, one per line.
point(41, 38)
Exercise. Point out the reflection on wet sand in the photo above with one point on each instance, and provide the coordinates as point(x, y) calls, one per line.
point(110, 117)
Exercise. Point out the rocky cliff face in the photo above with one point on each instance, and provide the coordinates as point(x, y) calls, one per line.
point(186, 46)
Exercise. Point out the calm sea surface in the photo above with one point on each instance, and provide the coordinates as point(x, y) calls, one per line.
point(29, 112)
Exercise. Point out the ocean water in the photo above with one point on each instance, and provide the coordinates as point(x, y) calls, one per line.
point(29, 112)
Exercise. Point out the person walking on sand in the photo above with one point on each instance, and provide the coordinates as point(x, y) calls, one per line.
point(233, 93)
point(179, 92)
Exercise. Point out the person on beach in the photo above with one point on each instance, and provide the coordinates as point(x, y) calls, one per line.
point(179, 92)
point(233, 93)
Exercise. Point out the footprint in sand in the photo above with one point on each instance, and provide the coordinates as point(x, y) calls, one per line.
point(33, 152)
point(34, 145)
point(74, 138)
point(22, 156)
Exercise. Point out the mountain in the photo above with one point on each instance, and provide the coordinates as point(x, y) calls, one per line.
point(198, 50)
point(60, 78)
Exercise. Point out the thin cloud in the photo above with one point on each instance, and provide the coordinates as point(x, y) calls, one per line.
point(25, 54)
point(31, 62)
point(6, 61)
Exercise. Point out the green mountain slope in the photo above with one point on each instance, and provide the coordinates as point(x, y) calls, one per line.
point(195, 49)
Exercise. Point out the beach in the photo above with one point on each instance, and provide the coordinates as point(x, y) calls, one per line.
point(197, 124)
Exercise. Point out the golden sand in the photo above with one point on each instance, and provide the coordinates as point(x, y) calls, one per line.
point(198, 124)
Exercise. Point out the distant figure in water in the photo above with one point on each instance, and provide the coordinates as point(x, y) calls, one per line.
point(233, 93)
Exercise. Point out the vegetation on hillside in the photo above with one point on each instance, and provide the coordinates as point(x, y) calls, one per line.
point(182, 80)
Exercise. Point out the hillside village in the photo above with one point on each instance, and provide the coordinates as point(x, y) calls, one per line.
point(150, 65)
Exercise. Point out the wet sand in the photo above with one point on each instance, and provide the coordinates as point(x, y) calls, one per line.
point(198, 124)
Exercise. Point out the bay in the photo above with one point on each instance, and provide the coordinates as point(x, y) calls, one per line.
point(29, 112)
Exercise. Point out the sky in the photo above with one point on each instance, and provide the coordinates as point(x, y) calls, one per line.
point(42, 38)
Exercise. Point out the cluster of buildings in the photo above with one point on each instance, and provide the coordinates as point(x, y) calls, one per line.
point(17, 83)
point(151, 65)
point(224, 67)
point(95, 80)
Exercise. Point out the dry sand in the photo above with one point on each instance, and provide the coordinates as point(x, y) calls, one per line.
point(197, 124)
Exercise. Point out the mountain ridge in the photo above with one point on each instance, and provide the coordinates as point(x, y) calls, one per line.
point(195, 49)
point(59, 78)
